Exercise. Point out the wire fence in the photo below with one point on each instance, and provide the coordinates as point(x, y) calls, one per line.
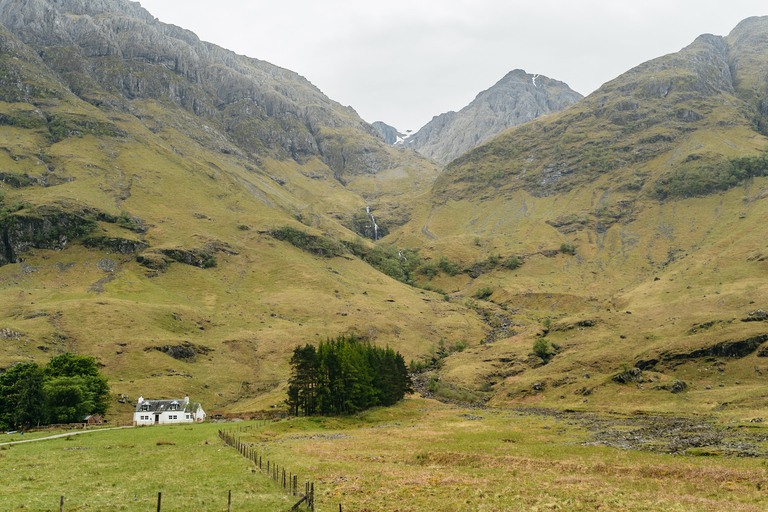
point(286, 479)
point(162, 502)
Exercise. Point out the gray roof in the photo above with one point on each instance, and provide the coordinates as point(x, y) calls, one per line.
point(160, 405)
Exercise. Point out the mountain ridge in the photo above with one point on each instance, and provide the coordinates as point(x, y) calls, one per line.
point(180, 204)
point(515, 99)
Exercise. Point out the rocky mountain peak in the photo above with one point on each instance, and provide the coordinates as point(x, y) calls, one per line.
point(517, 98)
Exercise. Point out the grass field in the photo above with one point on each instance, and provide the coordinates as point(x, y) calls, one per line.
point(419, 455)
point(125, 469)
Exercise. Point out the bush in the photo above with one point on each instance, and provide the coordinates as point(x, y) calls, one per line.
point(512, 262)
point(542, 348)
point(483, 293)
point(428, 269)
point(567, 248)
point(448, 266)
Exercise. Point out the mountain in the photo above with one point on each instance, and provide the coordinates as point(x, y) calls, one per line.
point(142, 173)
point(390, 133)
point(189, 216)
point(517, 98)
point(638, 214)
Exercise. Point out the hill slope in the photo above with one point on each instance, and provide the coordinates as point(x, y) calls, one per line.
point(142, 171)
point(638, 214)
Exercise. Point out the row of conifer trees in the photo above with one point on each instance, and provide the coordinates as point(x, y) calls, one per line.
point(345, 375)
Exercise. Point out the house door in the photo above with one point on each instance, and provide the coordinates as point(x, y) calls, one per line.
point(157, 419)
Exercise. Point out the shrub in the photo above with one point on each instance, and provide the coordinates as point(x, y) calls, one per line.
point(567, 248)
point(483, 293)
point(448, 266)
point(433, 385)
point(428, 269)
point(542, 348)
point(512, 262)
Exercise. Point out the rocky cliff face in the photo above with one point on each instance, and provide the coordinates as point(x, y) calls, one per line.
point(390, 133)
point(517, 98)
point(112, 52)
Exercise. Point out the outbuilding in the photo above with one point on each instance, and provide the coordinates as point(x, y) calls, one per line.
point(94, 419)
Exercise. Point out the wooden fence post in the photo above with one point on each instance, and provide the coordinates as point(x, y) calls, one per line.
point(61, 504)
point(159, 500)
point(229, 502)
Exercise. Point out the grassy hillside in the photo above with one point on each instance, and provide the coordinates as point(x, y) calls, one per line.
point(637, 215)
point(137, 232)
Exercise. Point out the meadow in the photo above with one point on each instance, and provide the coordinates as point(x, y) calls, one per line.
point(418, 455)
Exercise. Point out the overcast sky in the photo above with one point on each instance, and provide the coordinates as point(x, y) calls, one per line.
point(405, 62)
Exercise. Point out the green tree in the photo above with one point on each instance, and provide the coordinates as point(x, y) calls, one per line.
point(67, 399)
point(71, 365)
point(303, 382)
point(542, 348)
point(21, 403)
point(30, 408)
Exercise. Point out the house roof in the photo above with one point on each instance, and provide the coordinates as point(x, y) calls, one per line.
point(160, 405)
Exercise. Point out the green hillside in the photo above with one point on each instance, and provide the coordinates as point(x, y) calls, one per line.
point(638, 215)
point(189, 216)
point(135, 211)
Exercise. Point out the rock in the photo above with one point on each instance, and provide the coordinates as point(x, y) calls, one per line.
point(678, 386)
point(517, 98)
point(756, 316)
point(633, 375)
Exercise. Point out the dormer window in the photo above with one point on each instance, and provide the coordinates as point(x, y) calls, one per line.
point(145, 407)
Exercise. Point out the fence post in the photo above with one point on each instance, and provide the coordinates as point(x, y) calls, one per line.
point(312, 497)
point(159, 499)
point(229, 502)
point(61, 504)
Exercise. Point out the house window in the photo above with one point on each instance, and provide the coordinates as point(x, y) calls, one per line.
point(145, 407)
point(187, 416)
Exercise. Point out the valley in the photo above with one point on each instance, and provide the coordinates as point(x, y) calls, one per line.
point(585, 282)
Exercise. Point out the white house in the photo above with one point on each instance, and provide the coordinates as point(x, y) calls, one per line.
point(165, 412)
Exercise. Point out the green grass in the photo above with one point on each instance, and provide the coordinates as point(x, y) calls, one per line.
point(125, 469)
point(417, 455)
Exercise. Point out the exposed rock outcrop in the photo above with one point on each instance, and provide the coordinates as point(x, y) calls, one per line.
point(112, 52)
point(517, 98)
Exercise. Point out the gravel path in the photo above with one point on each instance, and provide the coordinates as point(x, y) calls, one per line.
point(63, 435)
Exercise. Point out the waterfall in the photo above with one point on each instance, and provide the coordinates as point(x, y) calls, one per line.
point(375, 226)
